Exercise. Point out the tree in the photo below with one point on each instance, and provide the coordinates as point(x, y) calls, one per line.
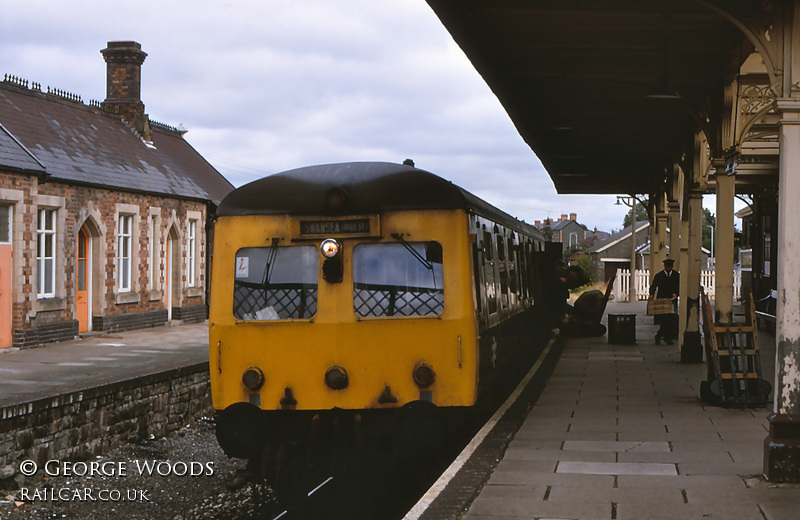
point(547, 231)
point(584, 261)
point(641, 215)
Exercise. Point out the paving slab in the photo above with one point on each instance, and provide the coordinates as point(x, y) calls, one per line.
point(503, 477)
point(666, 496)
point(645, 511)
point(618, 468)
point(615, 446)
point(520, 453)
point(528, 508)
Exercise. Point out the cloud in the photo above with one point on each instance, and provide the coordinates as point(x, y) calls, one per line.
point(268, 85)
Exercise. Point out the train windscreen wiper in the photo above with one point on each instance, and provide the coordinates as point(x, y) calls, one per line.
point(271, 254)
point(414, 252)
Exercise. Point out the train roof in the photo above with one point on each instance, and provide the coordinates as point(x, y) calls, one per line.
point(369, 188)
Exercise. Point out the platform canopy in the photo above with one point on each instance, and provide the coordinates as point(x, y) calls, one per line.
point(608, 94)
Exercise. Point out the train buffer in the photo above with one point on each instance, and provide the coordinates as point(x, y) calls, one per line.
point(733, 364)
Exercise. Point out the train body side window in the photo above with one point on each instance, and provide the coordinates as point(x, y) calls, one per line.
point(398, 279)
point(275, 283)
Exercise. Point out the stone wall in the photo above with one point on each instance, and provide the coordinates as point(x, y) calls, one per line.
point(83, 424)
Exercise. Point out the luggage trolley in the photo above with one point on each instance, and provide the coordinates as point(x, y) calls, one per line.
point(733, 363)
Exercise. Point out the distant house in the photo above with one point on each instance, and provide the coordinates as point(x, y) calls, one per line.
point(565, 229)
point(103, 213)
point(615, 252)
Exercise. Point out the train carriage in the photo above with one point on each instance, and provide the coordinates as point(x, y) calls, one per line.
point(374, 291)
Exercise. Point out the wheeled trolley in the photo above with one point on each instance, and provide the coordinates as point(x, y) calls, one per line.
point(733, 363)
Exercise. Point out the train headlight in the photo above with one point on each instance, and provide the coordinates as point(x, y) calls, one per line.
point(336, 378)
point(253, 378)
point(423, 374)
point(332, 267)
point(329, 248)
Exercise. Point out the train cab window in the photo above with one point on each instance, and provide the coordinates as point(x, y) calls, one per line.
point(275, 283)
point(398, 279)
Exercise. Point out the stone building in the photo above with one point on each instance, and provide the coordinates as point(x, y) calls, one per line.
point(615, 252)
point(103, 213)
point(565, 229)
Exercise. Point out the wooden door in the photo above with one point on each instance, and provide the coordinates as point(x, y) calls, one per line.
point(82, 282)
point(6, 293)
point(6, 276)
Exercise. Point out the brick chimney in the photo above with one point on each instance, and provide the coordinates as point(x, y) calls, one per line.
point(573, 216)
point(123, 84)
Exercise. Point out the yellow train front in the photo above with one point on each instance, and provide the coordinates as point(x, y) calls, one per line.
point(367, 296)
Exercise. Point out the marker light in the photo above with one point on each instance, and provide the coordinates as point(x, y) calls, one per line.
point(253, 378)
point(424, 375)
point(336, 378)
point(329, 248)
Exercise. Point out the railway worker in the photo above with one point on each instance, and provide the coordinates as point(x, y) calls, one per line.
point(665, 285)
point(556, 291)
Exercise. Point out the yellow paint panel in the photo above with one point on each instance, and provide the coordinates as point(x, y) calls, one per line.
point(376, 352)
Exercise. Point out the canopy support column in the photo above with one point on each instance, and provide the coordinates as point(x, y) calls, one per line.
point(782, 446)
point(689, 308)
point(723, 246)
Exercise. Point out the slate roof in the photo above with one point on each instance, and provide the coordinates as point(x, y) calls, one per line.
point(14, 156)
point(564, 223)
point(83, 144)
point(617, 237)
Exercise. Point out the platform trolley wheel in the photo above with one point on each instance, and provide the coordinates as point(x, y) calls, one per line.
point(241, 431)
point(766, 388)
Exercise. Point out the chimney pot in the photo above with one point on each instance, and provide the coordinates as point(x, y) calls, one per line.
point(123, 84)
point(123, 71)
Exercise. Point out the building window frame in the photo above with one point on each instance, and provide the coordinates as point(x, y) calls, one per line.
point(46, 227)
point(154, 254)
point(124, 252)
point(194, 252)
point(191, 257)
point(43, 302)
point(6, 232)
point(126, 283)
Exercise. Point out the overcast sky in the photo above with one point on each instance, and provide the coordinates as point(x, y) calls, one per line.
point(268, 85)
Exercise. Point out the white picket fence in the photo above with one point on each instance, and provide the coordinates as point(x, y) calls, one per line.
point(622, 284)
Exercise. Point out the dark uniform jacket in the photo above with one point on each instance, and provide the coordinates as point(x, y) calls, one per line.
point(664, 286)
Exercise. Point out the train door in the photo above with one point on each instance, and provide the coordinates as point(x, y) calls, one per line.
point(6, 276)
point(82, 295)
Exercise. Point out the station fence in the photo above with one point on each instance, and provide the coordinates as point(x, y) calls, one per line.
point(621, 290)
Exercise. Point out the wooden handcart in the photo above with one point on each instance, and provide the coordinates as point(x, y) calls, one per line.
point(733, 364)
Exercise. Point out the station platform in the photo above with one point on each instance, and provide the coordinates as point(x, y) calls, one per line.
point(96, 359)
point(619, 433)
